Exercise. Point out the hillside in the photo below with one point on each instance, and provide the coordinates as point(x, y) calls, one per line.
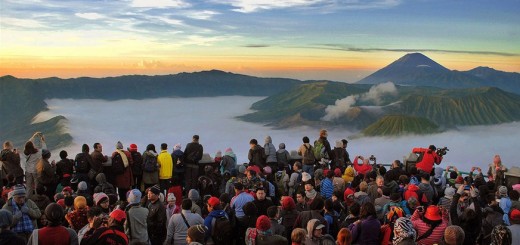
point(396, 125)
point(418, 70)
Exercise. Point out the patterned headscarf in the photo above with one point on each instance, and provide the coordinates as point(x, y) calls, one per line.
point(501, 235)
point(403, 228)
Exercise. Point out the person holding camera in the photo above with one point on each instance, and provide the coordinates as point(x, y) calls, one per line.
point(32, 157)
point(429, 157)
point(364, 168)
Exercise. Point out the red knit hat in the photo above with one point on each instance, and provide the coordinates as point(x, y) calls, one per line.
point(133, 147)
point(433, 213)
point(118, 215)
point(337, 172)
point(288, 203)
point(61, 202)
point(459, 180)
point(263, 223)
point(254, 168)
point(213, 201)
point(347, 193)
point(515, 215)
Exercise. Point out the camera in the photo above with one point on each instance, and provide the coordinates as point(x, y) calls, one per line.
point(442, 151)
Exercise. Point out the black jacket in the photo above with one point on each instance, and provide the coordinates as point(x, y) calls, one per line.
point(193, 153)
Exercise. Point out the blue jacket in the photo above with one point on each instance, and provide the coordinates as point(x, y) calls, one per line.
point(208, 220)
point(327, 188)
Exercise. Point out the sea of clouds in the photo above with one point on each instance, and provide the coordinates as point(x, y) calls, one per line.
point(175, 120)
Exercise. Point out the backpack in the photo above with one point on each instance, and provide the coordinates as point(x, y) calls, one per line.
point(309, 154)
point(137, 167)
point(81, 163)
point(318, 150)
point(281, 185)
point(222, 231)
point(394, 213)
point(118, 166)
point(150, 164)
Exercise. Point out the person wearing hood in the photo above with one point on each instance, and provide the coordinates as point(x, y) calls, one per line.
point(103, 185)
point(194, 196)
point(504, 203)
point(470, 220)
point(78, 217)
point(262, 234)
point(283, 157)
point(439, 180)
point(349, 174)
point(270, 153)
point(316, 234)
point(215, 212)
point(54, 233)
point(11, 162)
point(171, 206)
point(445, 201)
point(404, 233)
point(136, 224)
point(150, 178)
point(315, 212)
point(229, 162)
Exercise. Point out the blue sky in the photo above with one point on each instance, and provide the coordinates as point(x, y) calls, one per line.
point(308, 39)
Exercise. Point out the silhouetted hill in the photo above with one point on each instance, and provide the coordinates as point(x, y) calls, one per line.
point(418, 70)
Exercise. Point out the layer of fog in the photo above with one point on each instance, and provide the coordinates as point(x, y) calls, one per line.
point(374, 94)
point(175, 120)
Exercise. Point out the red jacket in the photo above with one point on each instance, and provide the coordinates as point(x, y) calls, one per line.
point(429, 158)
point(361, 169)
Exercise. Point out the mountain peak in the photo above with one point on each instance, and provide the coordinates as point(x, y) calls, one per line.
point(417, 60)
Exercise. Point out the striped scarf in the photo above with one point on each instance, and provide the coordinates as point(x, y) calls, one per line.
point(25, 224)
point(403, 228)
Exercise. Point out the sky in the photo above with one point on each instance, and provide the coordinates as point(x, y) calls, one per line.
point(341, 40)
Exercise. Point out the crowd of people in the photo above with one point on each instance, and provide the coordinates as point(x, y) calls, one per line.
point(320, 197)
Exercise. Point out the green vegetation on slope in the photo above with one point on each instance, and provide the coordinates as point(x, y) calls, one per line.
point(394, 125)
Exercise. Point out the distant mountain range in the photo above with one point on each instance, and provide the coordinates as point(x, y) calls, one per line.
point(418, 70)
point(428, 99)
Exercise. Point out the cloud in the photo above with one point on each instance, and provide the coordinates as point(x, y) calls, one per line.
point(201, 15)
point(90, 16)
point(324, 6)
point(355, 49)
point(24, 23)
point(374, 94)
point(256, 46)
point(159, 4)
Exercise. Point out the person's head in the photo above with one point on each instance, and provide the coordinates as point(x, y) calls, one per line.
point(8, 145)
point(344, 237)
point(164, 146)
point(328, 205)
point(272, 212)
point(317, 204)
point(92, 213)
point(367, 209)
point(54, 214)
point(133, 196)
point(501, 235)
point(119, 145)
point(323, 133)
point(101, 200)
point(132, 148)
point(454, 235)
point(315, 228)
point(85, 148)
point(345, 143)
point(6, 220)
point(263, 223)
point(196, 233)
point(195, 138)
point(308, 186)
point(330, 174)
point(214, 204)
point(46, 154)
point(514, 216)
point(403, 228)
point(380, 181)
point(253, 142)
point(298, 235)
point(171, 199)
point(281, 146)
point(300, 197)
point(250, 174)
point(98, 147)
point(239, 187)
point(396, 164)
point(432, 215)
point(153, 193)
point(117, 218)
point(297, 166)
point(404, 180)
point(355, 209)
point(186, 204)
point(305, 139)
point(29, 148)
point(497, 160)
point(18, 194)
point(63, 155)
point(260, 194)
point(363, 186)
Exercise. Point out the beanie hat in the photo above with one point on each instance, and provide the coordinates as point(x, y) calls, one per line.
point(218, 154)
point(80, 202)
point(281, 146)
point(119, 145)
point(82, 186)
point(118, 215)
point(61, 202)
point(134, 196)
point(403, 228)
point(433, 213)
point(515, 215)
point(267, 170)
point(197, 233)
point(18, 190)
point(213, 201)
point(502, 191)
point(288, 203)
point(449, 192)
point(263, 223)
point(337, 172)
point(171, 197)
point(155, 190)
point(99, 197)
point(254, 168)
point(133, 147)
point(306, 177)
point(6, 218)
point(453, 234)
point(242, 169)
point(193, 195)
point(54, 213)
point(67, 189)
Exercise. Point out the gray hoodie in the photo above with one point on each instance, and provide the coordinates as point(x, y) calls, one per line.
point(270, 150)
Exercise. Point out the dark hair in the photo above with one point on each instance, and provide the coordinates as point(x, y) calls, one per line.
point(514, 195)
point(344, 142)
point(96, 145)
point(338, 194)
point(490, 198)
point(253, 141)
point(298, 164)
point(196, 137)
point(63, 155)
point(186, 204)
point(413, 170)
point(259, 189)
point(382, 170)
point(317, 204)
point(69, 201)
point(368, 209)
point(305, 139)
point(387, 191)
point(330, 174)
point(164, 146)
point(29, 148)
point(328, 205)
point(403, 179)
point(272, 212)
point(355, 208)
point(85, 148)
point(40, 189)
point(151, 147)
point(93, 212)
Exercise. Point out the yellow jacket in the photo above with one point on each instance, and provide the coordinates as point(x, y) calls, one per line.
point(348, 175)
point(165, 165)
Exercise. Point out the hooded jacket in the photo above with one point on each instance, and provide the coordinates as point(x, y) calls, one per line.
point(103, 185)
point(208, 221)
point(270, 150)
point(348, 175)
point(311, 240)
